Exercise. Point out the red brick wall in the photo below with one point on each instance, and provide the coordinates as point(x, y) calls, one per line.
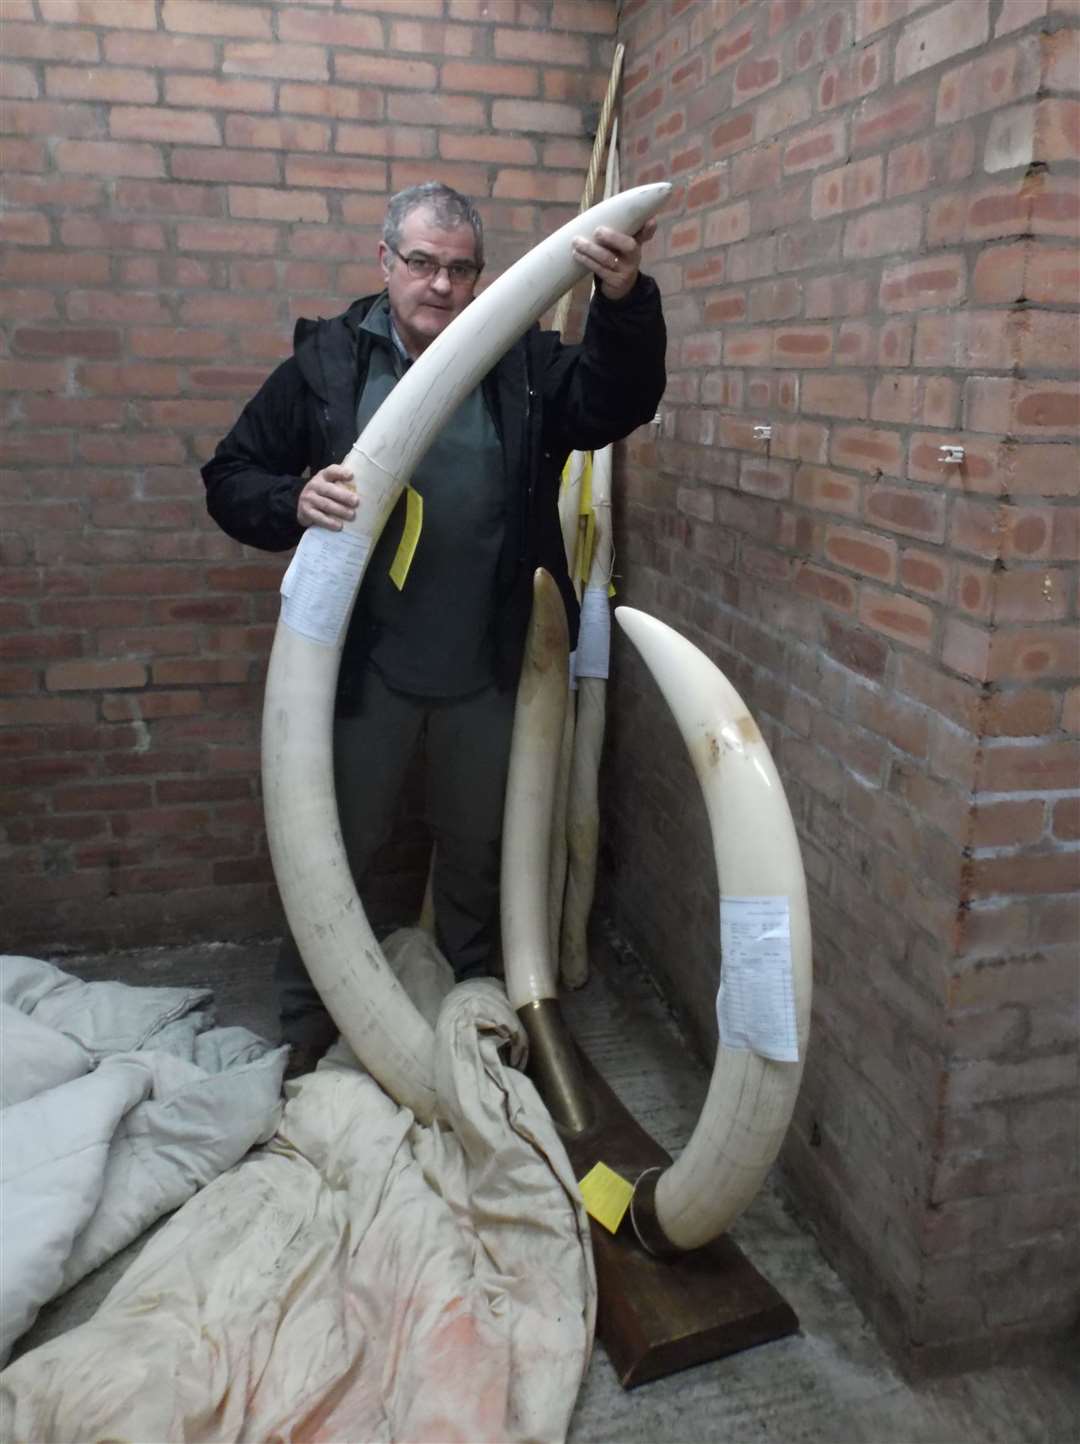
point(873, 249)
point(183, 178)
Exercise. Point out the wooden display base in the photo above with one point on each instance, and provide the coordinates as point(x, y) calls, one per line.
point(657, 1316)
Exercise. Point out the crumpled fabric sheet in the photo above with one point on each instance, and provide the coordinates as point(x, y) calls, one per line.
point(117, 1104)
point(362, 1278)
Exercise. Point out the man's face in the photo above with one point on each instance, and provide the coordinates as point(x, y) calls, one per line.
point(423, 308)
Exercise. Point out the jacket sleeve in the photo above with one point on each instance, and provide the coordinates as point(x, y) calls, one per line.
point(255, 477)
point(610, 384)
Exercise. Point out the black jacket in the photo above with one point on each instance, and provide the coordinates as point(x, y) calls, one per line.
point(546, 400)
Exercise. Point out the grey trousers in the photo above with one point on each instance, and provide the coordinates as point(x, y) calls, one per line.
point(466, 742)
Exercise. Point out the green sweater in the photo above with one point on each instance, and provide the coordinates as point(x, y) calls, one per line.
point(435, 637)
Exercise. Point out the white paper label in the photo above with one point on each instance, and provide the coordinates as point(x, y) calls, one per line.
point(755, 1007)
point(594, 638)
point(320, 583)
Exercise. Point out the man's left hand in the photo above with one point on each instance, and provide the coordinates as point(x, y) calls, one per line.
point(613, 257)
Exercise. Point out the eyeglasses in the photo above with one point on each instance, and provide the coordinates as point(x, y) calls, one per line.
point(426, 268)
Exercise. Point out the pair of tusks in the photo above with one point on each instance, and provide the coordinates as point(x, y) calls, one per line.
point(750, 1098)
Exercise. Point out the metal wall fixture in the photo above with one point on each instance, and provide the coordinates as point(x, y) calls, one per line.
point(762, 433)
point(952, 455)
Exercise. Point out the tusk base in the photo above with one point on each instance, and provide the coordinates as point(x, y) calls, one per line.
point(646, 1222)
point(554, 1065)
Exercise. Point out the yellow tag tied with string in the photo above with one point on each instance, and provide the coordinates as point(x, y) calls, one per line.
point(586, 523)
point(606, 1195)
point(414, 521)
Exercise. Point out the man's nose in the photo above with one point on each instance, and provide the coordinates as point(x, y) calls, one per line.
point(440, 281)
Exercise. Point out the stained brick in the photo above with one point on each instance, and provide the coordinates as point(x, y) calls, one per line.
point(42, 42)
point(993, 79)
point(540, 47)
point(731, 223)
point(98, 83)
point(831, 588)
point(1026, 408)
point(1026, 270)
point(945, 32)
point(757, 74)
point(780, 110)
point(286, 62)
point(842, 295)
point(912, 285)
point(855, 648)
point(858, 74)
point(731, 135)
point(1019, 767)
point(257, 203)
point(881, 120)
point(104, 157)
point(1035, 655)
point(225, 165)
point(362, 32)
point(1057, 131)
point(862, 552)
point(847, 188)
point(913, 513)
point(212, 94)
point(867, 449)
point(334, 173)
point(814, 147)
point(169, 52)
point(224, 237)
point(176, 127)
point(730, 49)
point(897, 616)
point(803, 346)
point(1061, 59)
point(85, 676)
point(882, 232)
point(205, 17)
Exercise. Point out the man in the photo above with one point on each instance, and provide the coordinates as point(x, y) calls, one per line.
point(437, 660)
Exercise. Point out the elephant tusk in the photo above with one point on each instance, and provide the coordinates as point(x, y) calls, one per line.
point(527, 814)
point(751, 1097)
point(528, 952)
point(324, 912)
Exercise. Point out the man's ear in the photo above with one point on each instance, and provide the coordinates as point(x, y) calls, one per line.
point(383, 254)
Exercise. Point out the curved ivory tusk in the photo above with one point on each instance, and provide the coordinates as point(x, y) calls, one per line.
point(570, 506)
point(527, 814)
point(583, 810)
point(528, 951)
point(750, 1098)
point(325, 914)
point(570, 522)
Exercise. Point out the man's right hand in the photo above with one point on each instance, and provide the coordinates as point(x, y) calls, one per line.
point(328, 499)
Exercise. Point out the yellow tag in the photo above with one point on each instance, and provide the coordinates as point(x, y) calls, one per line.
point(606, 1195)
point(585, 504)
point(414, 521)
point(611, 589)
point(586, 538)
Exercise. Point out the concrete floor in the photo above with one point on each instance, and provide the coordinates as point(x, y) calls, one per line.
point(831, 1383)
